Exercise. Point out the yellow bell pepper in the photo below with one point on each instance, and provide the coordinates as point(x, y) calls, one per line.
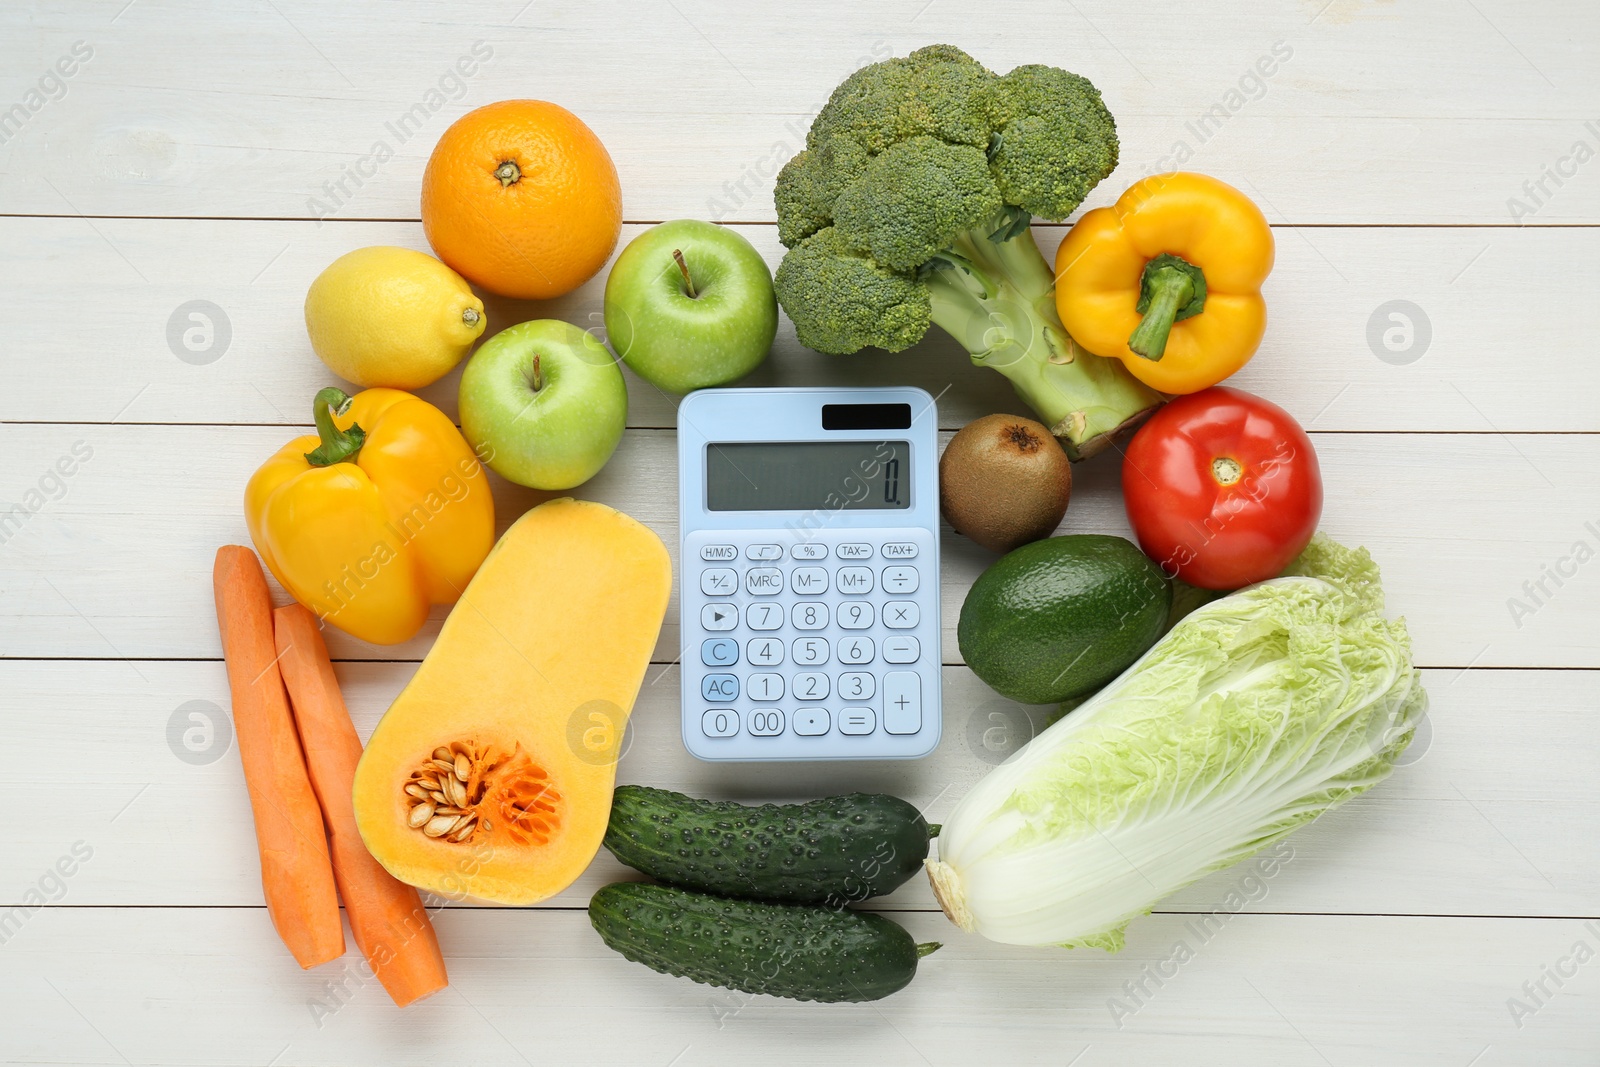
point(381, 515)
point(1168, 280)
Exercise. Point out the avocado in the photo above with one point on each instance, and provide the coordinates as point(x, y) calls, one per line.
point(1059, 618)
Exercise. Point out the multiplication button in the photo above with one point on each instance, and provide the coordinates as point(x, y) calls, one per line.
point(901, 614)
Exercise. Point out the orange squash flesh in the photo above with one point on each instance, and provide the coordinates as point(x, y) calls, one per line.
point(527, 690)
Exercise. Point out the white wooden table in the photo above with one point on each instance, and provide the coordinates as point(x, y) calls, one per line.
point(197, 153)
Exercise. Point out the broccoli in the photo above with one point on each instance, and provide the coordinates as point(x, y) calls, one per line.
point(911, 205)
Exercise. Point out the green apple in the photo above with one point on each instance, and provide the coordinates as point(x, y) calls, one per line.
point(690, 305)
point(543, 404)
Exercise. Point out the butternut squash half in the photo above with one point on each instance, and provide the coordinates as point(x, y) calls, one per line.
point(490, 776)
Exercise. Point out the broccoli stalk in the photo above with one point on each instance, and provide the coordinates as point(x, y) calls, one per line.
point(997, 299)
point(911, 205)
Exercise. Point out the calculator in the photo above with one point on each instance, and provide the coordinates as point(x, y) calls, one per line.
point(809, 573)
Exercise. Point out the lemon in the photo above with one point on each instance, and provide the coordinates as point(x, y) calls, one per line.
point(391, 316)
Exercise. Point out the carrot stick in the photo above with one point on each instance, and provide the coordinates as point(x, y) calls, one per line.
point(387, 917)
point(296, 873)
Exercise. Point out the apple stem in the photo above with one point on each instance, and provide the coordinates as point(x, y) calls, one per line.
point(677, 254)
point(538, 379)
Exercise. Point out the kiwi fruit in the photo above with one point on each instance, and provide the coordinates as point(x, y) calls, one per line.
point(1004, 481)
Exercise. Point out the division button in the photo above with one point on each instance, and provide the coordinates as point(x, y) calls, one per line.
point(899, 579)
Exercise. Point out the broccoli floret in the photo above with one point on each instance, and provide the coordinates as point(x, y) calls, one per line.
point(844, 302)
point(910, 206)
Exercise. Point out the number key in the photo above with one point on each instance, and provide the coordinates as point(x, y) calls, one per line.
point(810, 687)
point(720, 722)
point(810, 650)
point(766, 616)
point(809, 616)
point(855, 615)
point(765, 651)
point(765, 722)
point(857, 686)
point(855, 650)
point(764, 687)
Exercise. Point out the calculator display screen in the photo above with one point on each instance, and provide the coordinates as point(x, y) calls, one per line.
point(808, 475)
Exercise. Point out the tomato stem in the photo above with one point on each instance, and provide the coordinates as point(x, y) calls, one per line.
point(1226, 470)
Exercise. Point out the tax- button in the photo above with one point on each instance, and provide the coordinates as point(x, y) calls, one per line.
point(899, 550)
point(719, 652)
point(899, 579)
point(853, 551)
point(718, 552)
point(763, 581)
point(902, 702)
point(718, 581)
point(719, 688)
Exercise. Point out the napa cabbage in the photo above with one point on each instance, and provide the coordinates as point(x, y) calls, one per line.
point(1254, 715)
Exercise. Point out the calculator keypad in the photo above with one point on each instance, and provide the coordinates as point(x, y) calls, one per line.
point(828, 641)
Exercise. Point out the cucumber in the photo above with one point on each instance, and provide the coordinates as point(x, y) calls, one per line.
point(836, 850)
point(785, 950)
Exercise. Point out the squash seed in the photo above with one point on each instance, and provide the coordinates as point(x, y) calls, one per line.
point(456, 791)
point(463, 767)
point(440, 825)
point(420, 814)
point(462, 832)
point(441, 753)
point(415, 790)
point(445, 765)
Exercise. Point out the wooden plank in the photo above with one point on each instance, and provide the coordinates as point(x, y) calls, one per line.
point(127, 359)
point(120, 565)
point(214, 986)
point(288, 100)
point(1478, 821)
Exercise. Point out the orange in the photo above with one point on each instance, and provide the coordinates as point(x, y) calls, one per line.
point(522, 199)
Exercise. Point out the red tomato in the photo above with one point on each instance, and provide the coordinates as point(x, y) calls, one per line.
point(1222, 488)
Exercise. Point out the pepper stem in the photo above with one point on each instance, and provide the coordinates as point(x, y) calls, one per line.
point(688, 282)
point(338, 446)
point(1171, 289)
